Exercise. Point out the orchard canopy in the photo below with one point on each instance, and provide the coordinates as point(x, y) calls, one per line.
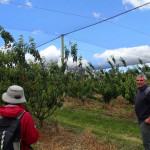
point(47, 85)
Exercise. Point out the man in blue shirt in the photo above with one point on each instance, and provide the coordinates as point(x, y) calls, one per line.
point(142, 108)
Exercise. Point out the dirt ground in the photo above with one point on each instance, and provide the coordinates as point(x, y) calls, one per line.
point(56, 137)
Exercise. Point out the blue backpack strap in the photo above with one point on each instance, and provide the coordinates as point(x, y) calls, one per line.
point(147, 90)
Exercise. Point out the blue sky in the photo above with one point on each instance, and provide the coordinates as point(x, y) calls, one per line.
point(126, 36)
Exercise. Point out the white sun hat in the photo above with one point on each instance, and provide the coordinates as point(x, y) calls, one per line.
point(14, 95)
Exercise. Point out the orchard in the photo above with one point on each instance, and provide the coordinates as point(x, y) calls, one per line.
point(47, 85)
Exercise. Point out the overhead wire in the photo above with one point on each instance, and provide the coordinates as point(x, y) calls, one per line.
point(79, 16)
point(48, 41)
point(45, 33)
point(96, 51)
point(108, 18)
point(51, 10)
point(33, 33)
point(72, 38)
point(128, 28)
point(72, 14)
point(100, 21)
point(85, 17)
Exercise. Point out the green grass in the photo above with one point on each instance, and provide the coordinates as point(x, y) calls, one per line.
point(127, 108)
point(98, 111)
point(123, 133)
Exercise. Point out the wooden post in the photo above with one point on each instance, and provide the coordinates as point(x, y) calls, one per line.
point(62, 46)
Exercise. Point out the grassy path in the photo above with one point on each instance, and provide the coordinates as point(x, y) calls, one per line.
point(123, 133)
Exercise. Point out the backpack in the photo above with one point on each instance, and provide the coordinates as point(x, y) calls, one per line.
point(10, 136)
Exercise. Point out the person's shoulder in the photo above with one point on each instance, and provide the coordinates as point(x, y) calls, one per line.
point(147, 90)
point(27, 115)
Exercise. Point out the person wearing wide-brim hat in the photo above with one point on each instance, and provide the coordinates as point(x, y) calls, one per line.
point(14, 95)
point(14, 99)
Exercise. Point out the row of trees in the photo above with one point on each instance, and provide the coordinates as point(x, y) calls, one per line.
point(46, 85)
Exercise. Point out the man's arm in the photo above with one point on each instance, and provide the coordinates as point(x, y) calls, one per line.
point(147, 91)
point(147, 120)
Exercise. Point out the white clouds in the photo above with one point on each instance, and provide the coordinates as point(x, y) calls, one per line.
point(84, 63)
point(72, 65)
point(130, 55)
point(137, 3)
point(4, 49)
point(4, 1)
point(51, 53)
point(37, 32)
point(29, 4)
point(29, 57)
point(96, 15)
